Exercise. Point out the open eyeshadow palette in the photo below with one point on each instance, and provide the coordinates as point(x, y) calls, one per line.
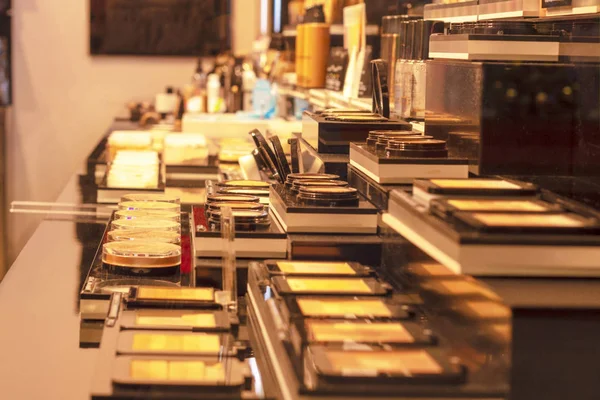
point(322, 209)
point(392, 158)
point(172, 354)
point(498, 227)
point(125, 259)
point(332, 132)
point(345, 345)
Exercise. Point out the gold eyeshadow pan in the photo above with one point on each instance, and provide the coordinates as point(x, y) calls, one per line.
point(349, 307)
point(317, 268)
point(302, 285)
point(174, 343)
point(182, 297)
point(447, 208)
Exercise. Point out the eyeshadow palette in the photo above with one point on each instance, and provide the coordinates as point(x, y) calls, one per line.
point(173, 343)
point(204, 374)
point(376, 369)
point(426, 190)
point(317, 268)
point(503, 244)
point(323, 210)
point(175, 320)
point(321, 286)
point(448, 207)
point(424, 158)
point(345, 308)
point(564, 223)
point(189, 297)
point(258, 234)
point(396, 333)
point(452, 289)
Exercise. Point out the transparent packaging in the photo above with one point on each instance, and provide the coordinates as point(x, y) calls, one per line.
point(150, 205)
point(156, 214)
point(153, 235)
point(141, 254)
point(146, 224)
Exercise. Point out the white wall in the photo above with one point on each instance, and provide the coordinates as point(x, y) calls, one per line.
point(64, 99)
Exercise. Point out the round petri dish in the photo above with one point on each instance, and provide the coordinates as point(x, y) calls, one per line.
point(153, 235)
point(161, 197)
point(140, 257)
point(157, 214)
point(146, 224)
point(150, 205)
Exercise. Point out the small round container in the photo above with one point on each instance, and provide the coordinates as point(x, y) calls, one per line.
point(311, 176)
point(140, 257)
point(150, 205)
point(234, 205)
point(375, 135)
point(146, 224)
point(248, 184)
point(301, 183)
point(219, 198)
point(328, 196)
point(156, 214)
point(244, 191)
point(125, 235)
point(382, 142)
point(245, 220)
point(426, 148)
point(161, 197)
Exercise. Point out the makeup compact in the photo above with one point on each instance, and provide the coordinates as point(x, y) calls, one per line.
point(174, 343)
point(401, 158)
point(162, 197)
point(291, 178)
point(331, 307)
point(154, 214)
point(375, 135)
point(301, 183)
point(334, 286)
point(423, 148)
point(317, 268)
point(541, 242)
point(328, 196)
point(258, 235)
point(453, 289)
point(152, 235)
point(244, 184)
point(447, 207)
point(395, 333)
point(283, 165)
point(262, 194)
point(545, 224)
point(150, 206)
point(150, 320)
point(145, 224)
point(141, 257)
point(333, 132)
point(245, 219)
point(182, 297)
point(208, 376)
point(426, 190)
point(375, 369)
point(228, 197)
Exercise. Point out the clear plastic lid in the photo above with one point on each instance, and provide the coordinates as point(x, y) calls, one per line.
point(152, 235)
point(146, 224)
point(151, 197)
point(150, 205)
point(148, 213)
point(141, 254)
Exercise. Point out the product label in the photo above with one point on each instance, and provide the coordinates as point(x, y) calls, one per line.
point(336, 70)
